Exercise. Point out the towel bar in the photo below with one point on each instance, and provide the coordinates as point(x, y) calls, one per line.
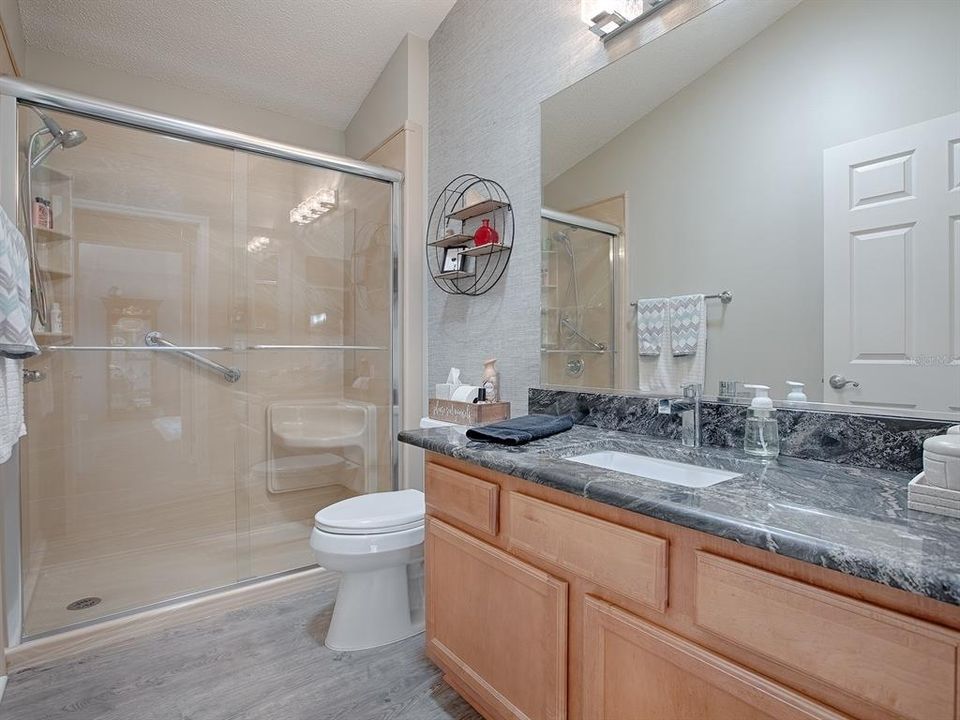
point(725, 296)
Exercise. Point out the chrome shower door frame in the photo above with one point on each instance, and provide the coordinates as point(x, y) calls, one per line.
point(14, 91)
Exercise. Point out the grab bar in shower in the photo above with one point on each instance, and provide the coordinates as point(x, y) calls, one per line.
point(317, 347)
point(154, 339)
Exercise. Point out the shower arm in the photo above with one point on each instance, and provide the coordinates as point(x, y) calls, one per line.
point(155, 339)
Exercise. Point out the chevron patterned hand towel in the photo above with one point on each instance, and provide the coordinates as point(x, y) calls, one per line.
point(651, 323)
point(685, 314)
point(16, 338)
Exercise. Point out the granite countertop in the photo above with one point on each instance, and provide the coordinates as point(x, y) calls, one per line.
point(844, 518)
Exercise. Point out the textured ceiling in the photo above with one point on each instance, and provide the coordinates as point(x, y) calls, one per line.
point(312, 59)
point(581, 119)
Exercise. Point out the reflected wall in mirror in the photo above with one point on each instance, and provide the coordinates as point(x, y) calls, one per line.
point(804, 156)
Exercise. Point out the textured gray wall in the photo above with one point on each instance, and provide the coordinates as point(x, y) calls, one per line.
point(491, 64)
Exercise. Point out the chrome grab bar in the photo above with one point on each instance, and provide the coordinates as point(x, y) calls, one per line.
point(155, 339)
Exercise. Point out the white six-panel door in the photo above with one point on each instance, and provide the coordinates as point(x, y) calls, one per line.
point(891, 217)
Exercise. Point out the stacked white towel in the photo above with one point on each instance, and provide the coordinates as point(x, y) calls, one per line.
point(685, 333)
point(16, 338)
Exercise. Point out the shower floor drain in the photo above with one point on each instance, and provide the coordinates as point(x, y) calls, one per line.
point(84, 603)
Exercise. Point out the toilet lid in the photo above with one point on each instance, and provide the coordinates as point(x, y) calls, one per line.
point(373, 513)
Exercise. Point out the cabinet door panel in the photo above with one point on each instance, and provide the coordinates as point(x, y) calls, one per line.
point(634, 670)
point(904, 666)
point(497, 624)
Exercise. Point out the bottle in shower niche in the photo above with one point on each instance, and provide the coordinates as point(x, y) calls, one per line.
point(761, 436)
point(56, 319)
point(491, 380)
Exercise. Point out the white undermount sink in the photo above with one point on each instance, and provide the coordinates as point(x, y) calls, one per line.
point(651, 468)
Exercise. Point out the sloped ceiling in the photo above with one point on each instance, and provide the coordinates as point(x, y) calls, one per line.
point(311, 59)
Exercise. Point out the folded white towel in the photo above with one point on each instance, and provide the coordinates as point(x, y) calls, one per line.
point(685, 314)
point(668, 373)
point(16, 337)
point(12, 427)
point(651, 322)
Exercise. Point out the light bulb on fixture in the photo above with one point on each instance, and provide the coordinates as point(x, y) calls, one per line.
point(605, 16)
point(321, 202)
point(257, 243)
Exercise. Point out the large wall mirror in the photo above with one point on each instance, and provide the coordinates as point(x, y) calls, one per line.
point(797, 163)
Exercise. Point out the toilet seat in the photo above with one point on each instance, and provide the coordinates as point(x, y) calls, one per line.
point(373, 514)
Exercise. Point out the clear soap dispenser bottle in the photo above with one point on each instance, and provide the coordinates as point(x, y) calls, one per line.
point(761, 436)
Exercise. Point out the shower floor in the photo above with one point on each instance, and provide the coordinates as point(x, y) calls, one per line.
point(140, 567)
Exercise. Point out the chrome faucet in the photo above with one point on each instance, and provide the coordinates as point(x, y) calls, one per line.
point(688, 407)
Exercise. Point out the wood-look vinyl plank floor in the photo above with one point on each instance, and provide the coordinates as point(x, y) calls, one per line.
point(263, 662)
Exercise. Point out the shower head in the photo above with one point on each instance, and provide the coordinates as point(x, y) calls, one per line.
point(72, 138)
point(58, 137)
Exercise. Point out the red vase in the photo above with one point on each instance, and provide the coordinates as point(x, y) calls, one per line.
point(485, 235)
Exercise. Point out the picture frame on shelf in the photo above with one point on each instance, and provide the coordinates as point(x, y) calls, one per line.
point(455, 261)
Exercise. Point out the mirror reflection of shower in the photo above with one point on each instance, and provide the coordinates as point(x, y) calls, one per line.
point(59, 138)
point(571, 317)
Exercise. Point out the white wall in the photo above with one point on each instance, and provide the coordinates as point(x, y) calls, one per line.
point(491, 64)
point(60, 71)
point(398, 96)
point(396, 107)
point(724, 180)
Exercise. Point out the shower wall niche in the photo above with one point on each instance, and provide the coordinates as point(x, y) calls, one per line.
point(147, 475)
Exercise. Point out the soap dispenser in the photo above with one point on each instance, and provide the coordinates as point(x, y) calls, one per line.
point(795, 392)
point(761, 436)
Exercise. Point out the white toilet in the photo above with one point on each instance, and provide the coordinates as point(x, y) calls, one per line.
point(376, 542)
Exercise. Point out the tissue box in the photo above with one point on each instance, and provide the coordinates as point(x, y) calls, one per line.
point(927, 498)
point(464, 413)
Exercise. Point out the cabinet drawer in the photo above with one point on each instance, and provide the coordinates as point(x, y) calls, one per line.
point(903, 666)
point(634, 669)
point(625, 561)
point(463, 499)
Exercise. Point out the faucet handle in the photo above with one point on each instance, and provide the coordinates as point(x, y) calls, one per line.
point(664, 406)
point(692, 390)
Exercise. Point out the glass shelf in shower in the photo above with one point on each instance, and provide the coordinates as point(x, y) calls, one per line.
point(45, 235)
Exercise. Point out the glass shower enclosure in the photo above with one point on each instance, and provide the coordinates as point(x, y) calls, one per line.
point(218, 362)
point(577, 294)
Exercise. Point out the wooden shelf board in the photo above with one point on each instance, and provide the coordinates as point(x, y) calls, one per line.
point(455, 275)
point(490, 249)
point(43, 235)
point(480, 208)
point(43, 338)
point(452, 241)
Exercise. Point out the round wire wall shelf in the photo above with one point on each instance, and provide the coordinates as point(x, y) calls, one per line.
point(457, 264)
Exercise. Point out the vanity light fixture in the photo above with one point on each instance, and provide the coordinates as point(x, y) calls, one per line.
point(321, 202)
point(608, 17)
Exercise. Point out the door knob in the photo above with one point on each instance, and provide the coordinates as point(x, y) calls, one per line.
point(839, 382)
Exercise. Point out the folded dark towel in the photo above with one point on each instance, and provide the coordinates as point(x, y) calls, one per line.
point(521, 430)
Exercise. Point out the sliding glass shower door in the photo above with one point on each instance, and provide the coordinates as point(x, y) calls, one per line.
point(220, 368)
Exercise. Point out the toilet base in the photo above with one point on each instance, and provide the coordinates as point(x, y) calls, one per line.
point(373, 608)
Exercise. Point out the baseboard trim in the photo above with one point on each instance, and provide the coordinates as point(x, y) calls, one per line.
point(109, 632)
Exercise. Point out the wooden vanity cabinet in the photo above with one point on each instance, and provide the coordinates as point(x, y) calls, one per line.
point(541, 604)
point(498, 625)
